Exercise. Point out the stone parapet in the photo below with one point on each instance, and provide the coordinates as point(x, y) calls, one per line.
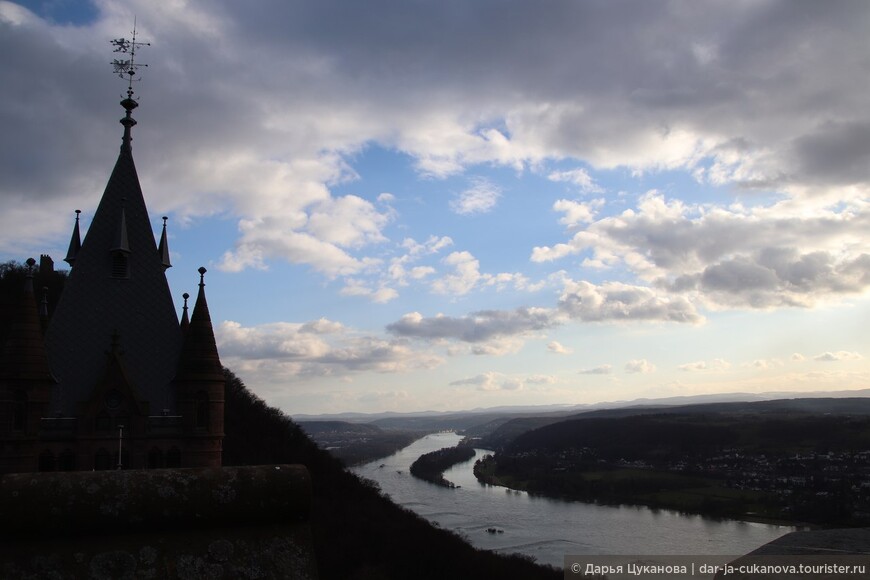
point(167, 523)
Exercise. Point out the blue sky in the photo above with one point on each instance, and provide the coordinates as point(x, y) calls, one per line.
point(449, 205)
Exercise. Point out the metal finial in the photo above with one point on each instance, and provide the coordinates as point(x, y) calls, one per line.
point(202, 272)
point(128, 68)
point(185, 296)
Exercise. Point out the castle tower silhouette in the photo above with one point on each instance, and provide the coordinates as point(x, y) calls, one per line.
point(115, 380)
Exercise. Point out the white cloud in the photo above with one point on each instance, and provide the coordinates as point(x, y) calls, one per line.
point(576, 212)
point(466, 276)
point(641, 366)
point(481, 197)
point(579, 177)
point(380, 295)
point(495, 381)
point(558, 348)
point(316, 348)
point(784, 254)
point(399, 270)
point(615, 301)
point(765, 364)
point(347, 221)
point(599, 370)
point(840, 355)
point(717, 364)
point(476, 327)
point(264, 238)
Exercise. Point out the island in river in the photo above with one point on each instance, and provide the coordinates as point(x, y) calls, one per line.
point(431, 466)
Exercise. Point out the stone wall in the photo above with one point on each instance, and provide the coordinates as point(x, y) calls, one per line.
point(232, 522)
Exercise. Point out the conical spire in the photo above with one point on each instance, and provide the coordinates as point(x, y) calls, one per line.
point(75, 243)
point(119, 274)
point(199, 359)
point(23, 357)
point(163, 247)
point(185, 320)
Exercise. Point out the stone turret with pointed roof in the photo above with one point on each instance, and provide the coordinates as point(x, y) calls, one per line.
point(75, 243)
point(200, 384)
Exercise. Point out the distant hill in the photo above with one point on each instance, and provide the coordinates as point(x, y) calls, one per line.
point(475, 419)
point(357, 443)
point(510, 430)
point(315, 428)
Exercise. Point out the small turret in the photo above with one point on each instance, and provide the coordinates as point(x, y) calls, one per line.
point(185, 320)
point(163, 247)
point(200, 386)
point(75, 243)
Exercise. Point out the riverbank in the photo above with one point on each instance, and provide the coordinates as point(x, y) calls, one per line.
point(661, 490)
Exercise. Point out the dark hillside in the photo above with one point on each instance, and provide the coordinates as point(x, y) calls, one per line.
point(358, 533)
point(645, 436)
point(357, 443)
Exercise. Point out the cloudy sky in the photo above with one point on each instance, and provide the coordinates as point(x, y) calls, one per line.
point(411, 205)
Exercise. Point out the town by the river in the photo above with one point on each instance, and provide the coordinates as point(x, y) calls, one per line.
point(503, 520)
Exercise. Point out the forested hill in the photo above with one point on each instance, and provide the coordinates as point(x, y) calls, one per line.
point(505, 433)
point(358, 533)
point(646, 436)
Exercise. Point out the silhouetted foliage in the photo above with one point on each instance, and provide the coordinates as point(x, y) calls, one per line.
point(358, 533)
point(12, 276)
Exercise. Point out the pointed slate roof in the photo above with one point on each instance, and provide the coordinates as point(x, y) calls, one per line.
point(75, 242)
point(199, 360)
point(97, 302)
point(163, 247)
point(185, 320)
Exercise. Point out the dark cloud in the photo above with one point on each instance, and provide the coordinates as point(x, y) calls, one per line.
point(837, 153)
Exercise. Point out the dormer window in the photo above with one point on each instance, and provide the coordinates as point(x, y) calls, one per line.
point(121, 251)
point(120, 265)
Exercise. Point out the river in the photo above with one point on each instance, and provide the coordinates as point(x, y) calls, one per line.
point(548, 529)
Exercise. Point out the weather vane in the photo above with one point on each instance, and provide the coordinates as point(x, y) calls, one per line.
point(128, 68)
